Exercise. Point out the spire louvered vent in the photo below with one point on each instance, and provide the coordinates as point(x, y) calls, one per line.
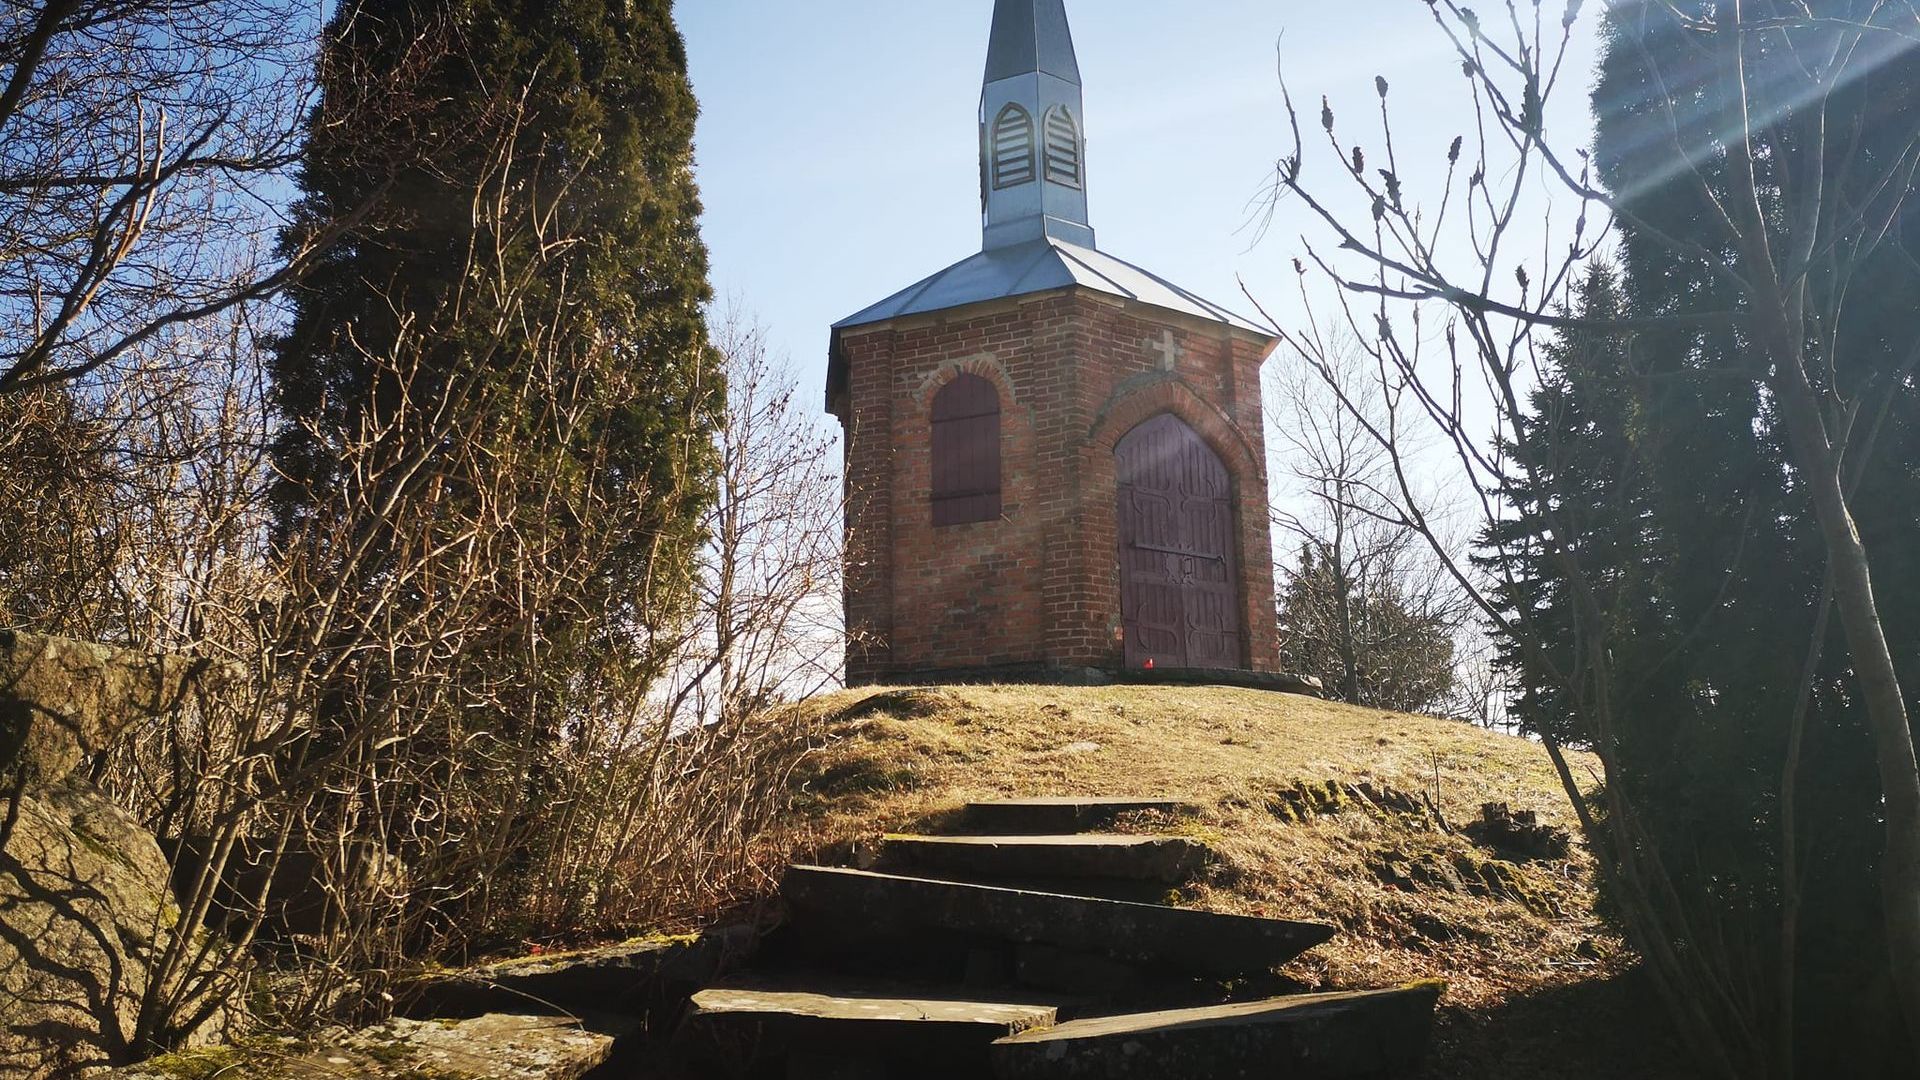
point(1032, 129)
point(1012, 147)
point(1063, 147)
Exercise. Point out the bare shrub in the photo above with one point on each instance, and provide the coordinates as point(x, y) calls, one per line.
point(458, 735)
point(425, 766)
point(1366, 605)
point(140, 145)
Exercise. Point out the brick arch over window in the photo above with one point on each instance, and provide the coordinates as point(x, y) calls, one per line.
point(965, 453)
point(1171, 396)
point(984, 365)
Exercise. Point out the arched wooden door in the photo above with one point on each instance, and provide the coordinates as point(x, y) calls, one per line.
point(1179, 577)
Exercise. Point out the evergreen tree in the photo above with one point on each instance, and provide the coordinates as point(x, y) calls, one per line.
point(1668, 470)
point(1362, 635)
point(587, 103)
point(498, 401)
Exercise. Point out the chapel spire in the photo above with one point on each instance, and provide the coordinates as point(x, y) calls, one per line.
point(1033, 175)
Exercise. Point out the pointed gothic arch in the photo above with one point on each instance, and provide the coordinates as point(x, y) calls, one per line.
point(1012, 149)
point(1128, 408)
point(1062, 139)
point(1178, 548)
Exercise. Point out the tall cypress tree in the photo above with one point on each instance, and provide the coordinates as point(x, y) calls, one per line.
point(422, 98)
point(523, 254)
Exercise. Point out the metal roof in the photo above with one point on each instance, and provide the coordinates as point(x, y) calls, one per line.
point(1030, 36)
point(1037, 235)
point(1038, 266)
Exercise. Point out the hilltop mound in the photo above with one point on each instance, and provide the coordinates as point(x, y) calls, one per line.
point(1364, 819)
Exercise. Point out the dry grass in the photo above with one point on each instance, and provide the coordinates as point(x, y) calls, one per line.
point(1524, 957)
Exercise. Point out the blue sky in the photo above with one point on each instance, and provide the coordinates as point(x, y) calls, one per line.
point(836, 147)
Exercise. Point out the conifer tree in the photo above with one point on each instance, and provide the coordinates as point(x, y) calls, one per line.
point(1750, 732)
point(591, 100)
point(1671, 475)
point(1353, 626)
point(498, 402)
point(1700, 514)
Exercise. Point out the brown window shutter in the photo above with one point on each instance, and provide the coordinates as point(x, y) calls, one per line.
point(966, 452)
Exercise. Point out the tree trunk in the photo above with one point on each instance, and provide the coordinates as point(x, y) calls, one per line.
point(1887, 718)
point(1349, 649)
point(1779, 328)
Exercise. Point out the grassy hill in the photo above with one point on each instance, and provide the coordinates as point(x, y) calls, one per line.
point(1319, 811)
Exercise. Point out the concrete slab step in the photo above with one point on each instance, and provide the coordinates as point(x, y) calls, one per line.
point(1053, 816)
point(1347, 1036)
point(826, 1025)
point(1164, 859)
point(1173, 939)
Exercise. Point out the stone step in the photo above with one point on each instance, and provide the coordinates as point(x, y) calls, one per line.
point(491, 1047)
point(1348, 1036)
point(1054, 816)
point(1164, 859)
point(638, 978)
point(821, 1025)
point(1172, 939)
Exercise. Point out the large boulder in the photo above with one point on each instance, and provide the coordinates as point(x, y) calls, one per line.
point(86, 909)
point(86, 904)
point(61, 700)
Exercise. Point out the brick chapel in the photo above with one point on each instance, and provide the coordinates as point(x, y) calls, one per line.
point(1055, 459)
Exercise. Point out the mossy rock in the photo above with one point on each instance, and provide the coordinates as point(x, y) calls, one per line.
point(87, 908)
point(1305, 800)
point(1505, 881)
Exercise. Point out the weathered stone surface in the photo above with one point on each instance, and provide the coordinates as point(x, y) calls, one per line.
point(85, 908)
point(635, 978)
point(821, 1019)
point(1103, 981)
point(1059, 816)
point(492, 1047)
point(867, 1007)
point(61, 700)
point(1177, 939)
point(1097, 855)
point(1311, 1037)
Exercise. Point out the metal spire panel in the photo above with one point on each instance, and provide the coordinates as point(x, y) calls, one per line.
point(1031, 36)
point(1033, 167)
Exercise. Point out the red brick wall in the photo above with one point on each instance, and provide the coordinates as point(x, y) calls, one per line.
point(1076, 371)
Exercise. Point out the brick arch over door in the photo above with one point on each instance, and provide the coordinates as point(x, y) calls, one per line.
point(1125, 412)
point(1178, 549)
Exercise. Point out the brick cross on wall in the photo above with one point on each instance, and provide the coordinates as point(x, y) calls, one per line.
point(1168, 349)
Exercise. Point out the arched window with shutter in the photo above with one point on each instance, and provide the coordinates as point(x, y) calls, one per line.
point(1063, 147)
point(966, 452)
point(1012, 156)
